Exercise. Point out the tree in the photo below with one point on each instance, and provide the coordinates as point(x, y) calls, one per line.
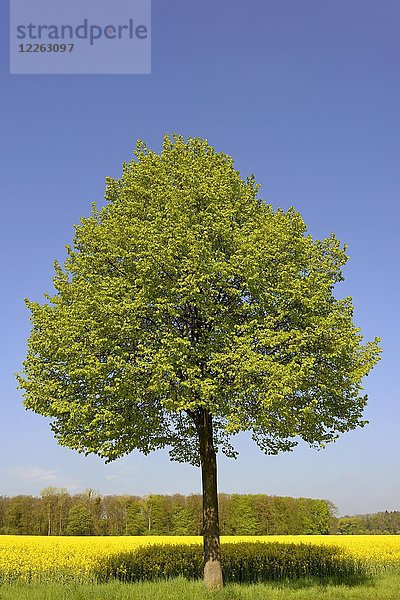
point(21, 516)
point(194, 506)
point(114, 516)
point(56, 502)
point(187, 311)
point(92, 501)
point(180, 519)
point(80, 520)
point(136, 518)
point(50, 499)
point(63, 504)
point(242, 517)
point(351, 526)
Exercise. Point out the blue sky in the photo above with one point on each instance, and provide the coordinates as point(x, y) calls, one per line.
point(305, 94)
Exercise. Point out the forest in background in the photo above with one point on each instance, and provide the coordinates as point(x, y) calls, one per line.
point(57, 512)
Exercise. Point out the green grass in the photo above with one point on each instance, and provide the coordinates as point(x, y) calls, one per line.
point(383, 587)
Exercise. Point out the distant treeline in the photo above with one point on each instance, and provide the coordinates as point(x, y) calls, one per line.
point(57, 512)
point(377, 523)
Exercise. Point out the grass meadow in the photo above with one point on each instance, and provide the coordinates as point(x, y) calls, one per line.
point(380, 587)
point(33, 568)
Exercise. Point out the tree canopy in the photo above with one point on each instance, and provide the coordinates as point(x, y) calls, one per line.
point(186, 290)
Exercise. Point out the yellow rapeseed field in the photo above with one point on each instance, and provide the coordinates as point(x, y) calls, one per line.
point(37, 558)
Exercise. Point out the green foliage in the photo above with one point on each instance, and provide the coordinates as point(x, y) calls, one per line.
point(387, 522)
point(181, 520)
point(80, 521)
point(244, 562)
point(241, 517)
point(166, 515)
point(136, 522)
point(186, 291)
point(20, 516)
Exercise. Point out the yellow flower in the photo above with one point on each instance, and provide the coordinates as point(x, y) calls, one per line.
point(37, 558)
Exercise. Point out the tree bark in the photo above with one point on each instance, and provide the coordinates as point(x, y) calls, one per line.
point(212, 551)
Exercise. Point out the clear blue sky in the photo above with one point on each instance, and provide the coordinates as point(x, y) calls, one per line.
point(305, 94)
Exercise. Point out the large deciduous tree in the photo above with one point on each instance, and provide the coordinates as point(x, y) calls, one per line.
point(189, 310)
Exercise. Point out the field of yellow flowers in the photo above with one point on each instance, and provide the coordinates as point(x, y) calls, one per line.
point(36, 558)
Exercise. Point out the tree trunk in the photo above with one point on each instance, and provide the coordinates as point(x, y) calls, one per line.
point(212, 551)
